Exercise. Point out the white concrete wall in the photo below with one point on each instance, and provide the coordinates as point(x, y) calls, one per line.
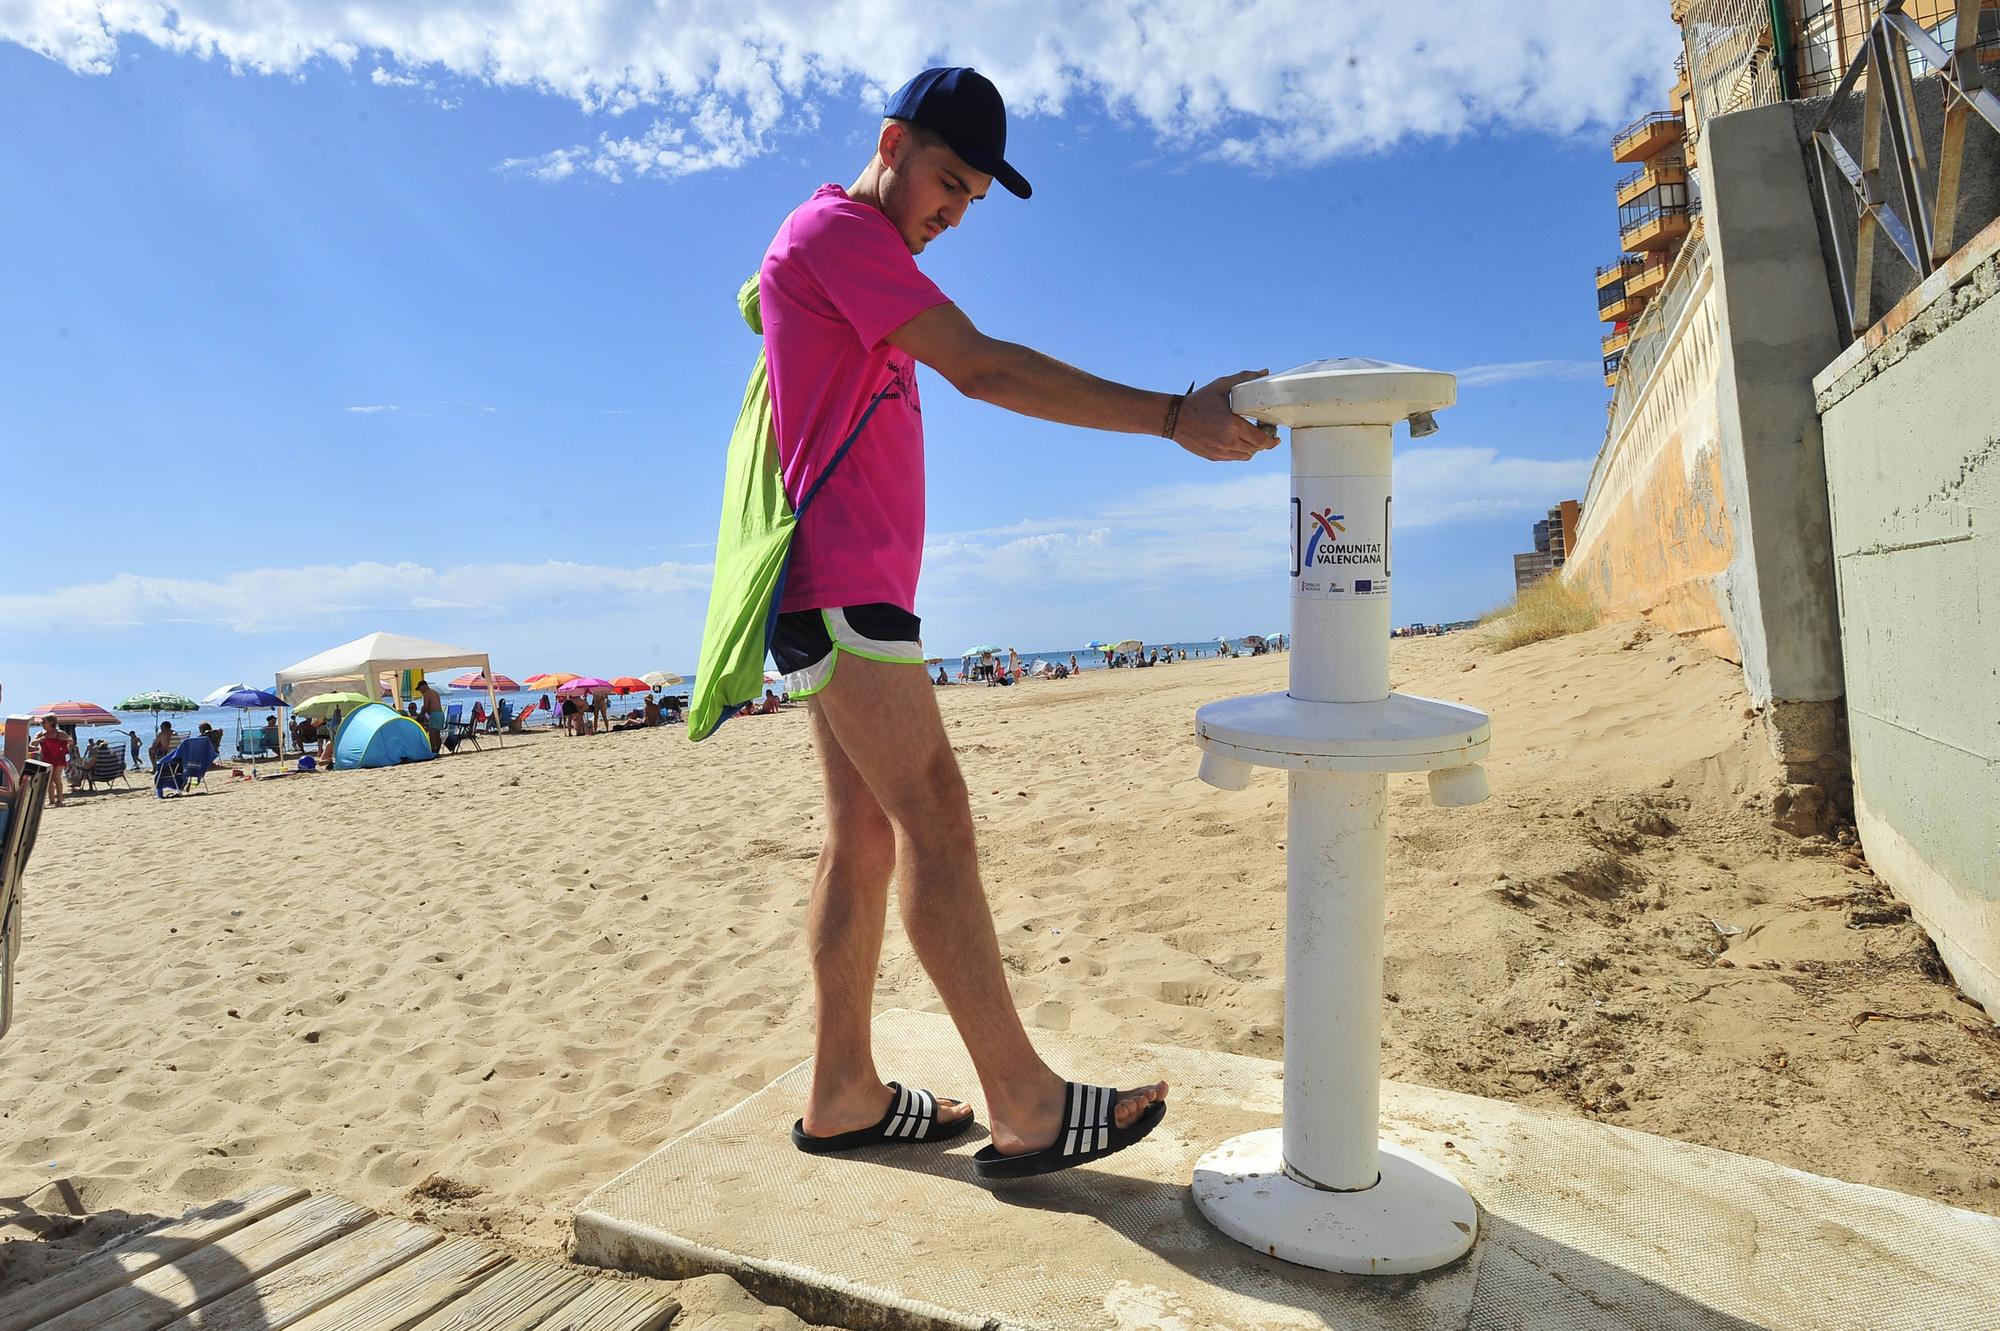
point(1912, 430)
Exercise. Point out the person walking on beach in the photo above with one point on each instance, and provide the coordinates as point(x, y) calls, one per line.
point(847, 317)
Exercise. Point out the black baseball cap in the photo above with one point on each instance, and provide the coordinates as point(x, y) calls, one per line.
point(961, 106)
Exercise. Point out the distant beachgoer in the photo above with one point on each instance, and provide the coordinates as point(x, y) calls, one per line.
point(271, 733)
point(163, 742)
point(600, 709)
point(137, 745)
point(1073, 666)
point(569, 715)
point(941, 679)
point(770, 707)
point(1013, 663)
point(53, 747)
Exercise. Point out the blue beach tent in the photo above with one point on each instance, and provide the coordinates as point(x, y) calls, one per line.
point(379, 736)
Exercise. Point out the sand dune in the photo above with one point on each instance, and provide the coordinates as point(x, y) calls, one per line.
point(525, 969)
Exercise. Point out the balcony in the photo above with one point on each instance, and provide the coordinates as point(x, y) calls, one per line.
point(1611, 364)
point(1647, 135)
point(1654, 226)
point(1645, 284)
point(1669, 168)
point(1614, 342)
point(1627, 266)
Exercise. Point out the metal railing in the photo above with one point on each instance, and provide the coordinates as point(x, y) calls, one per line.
point(1650, 332)
point(1607, 296)
point(1642, 125)
point(1633, 218)
point(1732, 56)
point(1660, 165)
point(1925, 238)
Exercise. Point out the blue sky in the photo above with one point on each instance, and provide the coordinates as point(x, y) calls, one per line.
point(322, 322)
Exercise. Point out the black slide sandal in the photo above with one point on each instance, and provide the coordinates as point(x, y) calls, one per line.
point(911, 1117)
point(1088, 1133)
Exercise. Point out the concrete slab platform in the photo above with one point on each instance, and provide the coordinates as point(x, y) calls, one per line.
point(1581, 1225)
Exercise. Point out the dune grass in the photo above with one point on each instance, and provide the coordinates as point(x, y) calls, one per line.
point(1549, 608)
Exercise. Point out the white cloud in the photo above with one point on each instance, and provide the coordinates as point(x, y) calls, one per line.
point(261, 600)
point(382, 78)
point(1212, 533)
point(372, 409)
point(1264, 82)
point(1486, 376)
point(1230, 530)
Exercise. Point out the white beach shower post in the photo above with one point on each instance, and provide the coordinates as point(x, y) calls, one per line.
point(1324, 1190)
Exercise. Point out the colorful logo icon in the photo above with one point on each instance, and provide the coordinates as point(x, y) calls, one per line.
point(1328, 524)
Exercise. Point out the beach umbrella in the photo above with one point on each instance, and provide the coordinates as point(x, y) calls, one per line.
point(475, 680)
point(982, 650)
point(157, 701)
point(323, 704)
point(1127, 645)
point(244, 698)
point(662, 679)
point(582, 684)
point(553, 680)
point(74, 713)
point(215, 699)
point(773, 677)
point(630, 684)
point(251, 698)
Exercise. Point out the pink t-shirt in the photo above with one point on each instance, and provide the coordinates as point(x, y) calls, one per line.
point(835, 283)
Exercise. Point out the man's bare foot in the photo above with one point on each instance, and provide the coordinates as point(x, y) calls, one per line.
point(850, 1111)
point(1038, 1125)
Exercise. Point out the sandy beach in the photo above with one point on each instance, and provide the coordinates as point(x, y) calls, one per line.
point(471, 991)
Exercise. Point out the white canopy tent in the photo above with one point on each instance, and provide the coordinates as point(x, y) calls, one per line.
point(360, 666)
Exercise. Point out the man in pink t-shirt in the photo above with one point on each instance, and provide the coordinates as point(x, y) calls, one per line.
point(847, 317)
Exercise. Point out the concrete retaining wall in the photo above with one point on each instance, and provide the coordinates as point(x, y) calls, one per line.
point(1655, 534)
point(1912, 430)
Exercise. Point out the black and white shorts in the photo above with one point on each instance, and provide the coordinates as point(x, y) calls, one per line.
point(808, 643)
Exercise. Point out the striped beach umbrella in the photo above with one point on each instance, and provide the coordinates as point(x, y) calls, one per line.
point(74, 713)
point(498, 683)
point(553, 680)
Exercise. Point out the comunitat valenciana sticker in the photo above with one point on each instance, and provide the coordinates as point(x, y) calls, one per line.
point(1340, 536)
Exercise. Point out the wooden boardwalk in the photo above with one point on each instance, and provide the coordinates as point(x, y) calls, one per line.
point(281, 1259)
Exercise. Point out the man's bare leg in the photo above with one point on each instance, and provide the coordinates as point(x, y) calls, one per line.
point(884, 720)
point(850, 903)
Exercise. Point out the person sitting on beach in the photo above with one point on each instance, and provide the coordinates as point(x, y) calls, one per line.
point(271, 733)
point(478, 715)
point(770, 706)
point(845, 309)
point(163, 742)
point(503, 717)
point(941, 676)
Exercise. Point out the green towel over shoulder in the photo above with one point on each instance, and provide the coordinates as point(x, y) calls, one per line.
point(752, 545)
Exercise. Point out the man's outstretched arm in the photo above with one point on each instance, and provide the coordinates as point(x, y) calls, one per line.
point(1022, 379)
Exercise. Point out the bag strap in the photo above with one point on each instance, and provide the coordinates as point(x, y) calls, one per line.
point(841, 452)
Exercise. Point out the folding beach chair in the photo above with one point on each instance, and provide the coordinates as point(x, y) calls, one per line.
point(458, 730)
point(185, 767)
point(99, 769)
point(23, 818)
point(254, 744)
